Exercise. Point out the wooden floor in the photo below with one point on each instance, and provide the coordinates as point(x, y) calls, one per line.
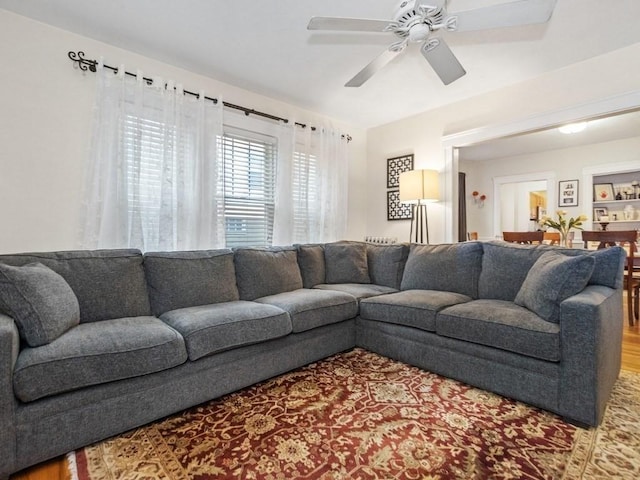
point(56, 469)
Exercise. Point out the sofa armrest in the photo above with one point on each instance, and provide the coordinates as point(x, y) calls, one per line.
point(9, 349)
point(591, 347)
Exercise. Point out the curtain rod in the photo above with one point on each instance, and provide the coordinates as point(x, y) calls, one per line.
point(85, 64)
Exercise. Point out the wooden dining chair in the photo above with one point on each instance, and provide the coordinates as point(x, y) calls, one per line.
point(552, 237)
point(523, 237)
point(627, 240)
point(472, 235)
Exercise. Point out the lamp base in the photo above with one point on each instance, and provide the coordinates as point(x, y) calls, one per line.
point(419, 224)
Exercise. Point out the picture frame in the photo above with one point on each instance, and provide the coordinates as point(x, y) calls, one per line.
point(397, 210)
point(599, 212)
point(603, 192)
point(568, 193)
point(396, 166)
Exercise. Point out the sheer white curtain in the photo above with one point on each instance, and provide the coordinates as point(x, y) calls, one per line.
point(312, 186)
point(153, 179)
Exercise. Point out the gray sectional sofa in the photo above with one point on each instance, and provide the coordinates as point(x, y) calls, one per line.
point(94, 343)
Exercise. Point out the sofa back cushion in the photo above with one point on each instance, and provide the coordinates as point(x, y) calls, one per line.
point(346, 262)
point(39, 300)
point(609, 265)
point(188, 279)
point(447, 267)
point(386, 264)
point(311, 263)
point(266, 271)
point(107, 283)
point(504, 268)
point(506, 265)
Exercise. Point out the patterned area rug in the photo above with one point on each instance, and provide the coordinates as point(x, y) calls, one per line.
point(358, 415)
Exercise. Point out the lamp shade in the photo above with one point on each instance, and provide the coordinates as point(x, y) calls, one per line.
point(419, 186)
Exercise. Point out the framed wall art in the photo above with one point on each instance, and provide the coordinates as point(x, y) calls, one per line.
point(568, 193)
point(603, 192)
point(397, 210)
point(395, 166)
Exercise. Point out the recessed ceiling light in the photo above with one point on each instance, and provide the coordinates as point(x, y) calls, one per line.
point(573, 127)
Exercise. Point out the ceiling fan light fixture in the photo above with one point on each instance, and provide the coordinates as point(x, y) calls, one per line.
point(419, 32)
point(573, 128)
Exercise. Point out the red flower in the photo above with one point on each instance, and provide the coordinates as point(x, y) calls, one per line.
point(475, 194)
point(483, 197)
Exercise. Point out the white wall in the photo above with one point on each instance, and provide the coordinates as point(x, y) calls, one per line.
point(568, 164)
point(598, 78)
point(45, 124)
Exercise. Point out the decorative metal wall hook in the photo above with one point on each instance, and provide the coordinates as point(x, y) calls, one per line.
point(83, 64)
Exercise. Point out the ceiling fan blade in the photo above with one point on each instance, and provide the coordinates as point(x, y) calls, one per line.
point(442, 60)
point(347, 24)
point(522, 12)
point(376, 64)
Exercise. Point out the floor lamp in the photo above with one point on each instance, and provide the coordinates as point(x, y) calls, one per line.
point(419, 187)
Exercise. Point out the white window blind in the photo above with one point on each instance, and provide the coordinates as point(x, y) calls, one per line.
point(249, 187)
point(305, 197)
point(145, 141)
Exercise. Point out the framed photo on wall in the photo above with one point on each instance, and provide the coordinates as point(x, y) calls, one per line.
point(397, 210)
point(568, 193)
point(395, 166)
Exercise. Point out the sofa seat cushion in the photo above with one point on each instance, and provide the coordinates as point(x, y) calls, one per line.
point(97, 352)
point(208, 329)
point(358, 290)
point(501, 324)
point(411, 308)
point(312, 308)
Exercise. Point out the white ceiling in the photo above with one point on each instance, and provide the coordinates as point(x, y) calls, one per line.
point(264, 46)
point(599, 130)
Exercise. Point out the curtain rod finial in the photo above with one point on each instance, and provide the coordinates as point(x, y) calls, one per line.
point(81, 62)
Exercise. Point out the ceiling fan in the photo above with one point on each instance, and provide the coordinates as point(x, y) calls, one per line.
point(416, 20)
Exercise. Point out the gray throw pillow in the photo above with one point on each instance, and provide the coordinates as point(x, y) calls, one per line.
point(39, 300)
point(346, 262)
point(553, 278)
point(266, 271)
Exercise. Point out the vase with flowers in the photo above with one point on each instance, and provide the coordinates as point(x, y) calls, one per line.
point(563, 225)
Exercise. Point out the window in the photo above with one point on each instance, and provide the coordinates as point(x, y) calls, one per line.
point(249, 187)
point(146, 143)
point(305, 197)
